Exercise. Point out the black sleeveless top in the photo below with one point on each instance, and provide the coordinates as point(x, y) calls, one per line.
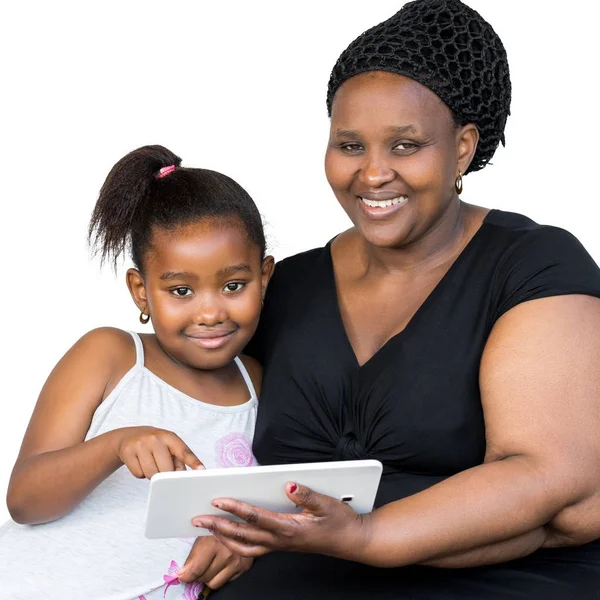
point(415, 406)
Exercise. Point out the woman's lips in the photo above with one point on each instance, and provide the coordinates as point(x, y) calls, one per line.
point(381, 208)
point(211, 339)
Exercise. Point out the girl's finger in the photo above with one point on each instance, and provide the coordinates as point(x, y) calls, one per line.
point(163, 458)
point(223, 576)
point(218, 563)
point(178, 464)
point(148, 464)
point(180, 450)
point(133, 464)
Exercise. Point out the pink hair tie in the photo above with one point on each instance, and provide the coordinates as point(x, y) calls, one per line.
point(165, 171)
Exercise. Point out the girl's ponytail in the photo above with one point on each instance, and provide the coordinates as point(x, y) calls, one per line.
point(126, 199)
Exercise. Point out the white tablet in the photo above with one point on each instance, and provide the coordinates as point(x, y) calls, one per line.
point(176, 497)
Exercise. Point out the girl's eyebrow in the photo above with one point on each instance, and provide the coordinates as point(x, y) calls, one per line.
point(224, 272)
point(227, 271)
point(177, 275)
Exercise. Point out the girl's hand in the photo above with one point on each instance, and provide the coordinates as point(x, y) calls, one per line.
point(325, 526)
point(213, 564)
point(146, 451)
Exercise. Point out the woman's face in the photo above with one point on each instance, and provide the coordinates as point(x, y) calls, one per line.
point(393, 156)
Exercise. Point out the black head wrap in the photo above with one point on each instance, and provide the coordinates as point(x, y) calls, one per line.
point(451, 49)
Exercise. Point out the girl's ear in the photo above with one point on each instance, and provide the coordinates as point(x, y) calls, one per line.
point(137, 289)
point(268, 266)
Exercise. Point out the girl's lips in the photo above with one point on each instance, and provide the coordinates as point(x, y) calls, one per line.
point(216, 341)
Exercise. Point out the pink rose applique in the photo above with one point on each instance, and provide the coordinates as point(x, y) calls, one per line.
point(192, 590)
point(234, 450)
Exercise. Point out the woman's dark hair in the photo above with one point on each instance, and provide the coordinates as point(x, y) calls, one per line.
point(148, 188)
point(448, 47)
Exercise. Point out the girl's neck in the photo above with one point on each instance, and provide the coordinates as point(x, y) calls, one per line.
point(224, 386)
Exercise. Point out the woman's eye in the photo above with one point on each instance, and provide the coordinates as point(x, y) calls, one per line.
point(234, 286)
point(182, 291)
point(351, 148)
point(406, 147)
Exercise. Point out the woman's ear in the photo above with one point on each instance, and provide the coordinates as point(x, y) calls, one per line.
point(268, 266)
point(137, 289)
point(467, 139)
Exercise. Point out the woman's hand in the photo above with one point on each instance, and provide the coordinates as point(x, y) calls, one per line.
point(146, 451)
point(213, 564)
point(325, 526)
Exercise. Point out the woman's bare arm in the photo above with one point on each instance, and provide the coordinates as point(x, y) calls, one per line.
point(539, 484)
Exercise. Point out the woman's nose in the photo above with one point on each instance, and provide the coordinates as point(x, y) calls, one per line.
point(376, 171)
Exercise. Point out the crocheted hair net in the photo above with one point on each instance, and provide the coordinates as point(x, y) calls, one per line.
point(451, 49)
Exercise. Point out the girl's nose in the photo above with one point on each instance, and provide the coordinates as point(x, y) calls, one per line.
point(376, 171)
point(209, 312)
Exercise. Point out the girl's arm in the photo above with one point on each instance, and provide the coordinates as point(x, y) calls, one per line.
point(539, 485)
point(56, 469)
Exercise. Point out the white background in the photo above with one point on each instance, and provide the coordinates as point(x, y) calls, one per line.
point(239, 87)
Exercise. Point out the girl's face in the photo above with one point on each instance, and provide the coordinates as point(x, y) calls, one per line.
point(393, 156)
point(203, 286)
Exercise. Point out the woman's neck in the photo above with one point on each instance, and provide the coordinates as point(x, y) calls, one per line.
point(445, 240)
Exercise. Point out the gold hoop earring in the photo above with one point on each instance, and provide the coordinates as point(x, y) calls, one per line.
point(144, 318)
point(458, 184)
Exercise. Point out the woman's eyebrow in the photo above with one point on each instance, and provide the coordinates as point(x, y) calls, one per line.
point(402, 129)
point(395, 129)
point(346, 133)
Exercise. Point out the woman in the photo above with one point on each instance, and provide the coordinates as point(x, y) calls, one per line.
point(459, 346)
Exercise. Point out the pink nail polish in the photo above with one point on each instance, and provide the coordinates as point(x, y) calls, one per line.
point(293, 488)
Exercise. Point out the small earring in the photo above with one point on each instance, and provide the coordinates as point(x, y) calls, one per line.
point(458, 184)
point(144, 318)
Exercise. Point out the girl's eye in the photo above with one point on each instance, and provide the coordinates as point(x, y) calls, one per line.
point(234, 286)
point(182, 291)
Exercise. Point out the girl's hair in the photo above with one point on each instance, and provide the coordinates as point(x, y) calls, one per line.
point(148, 188)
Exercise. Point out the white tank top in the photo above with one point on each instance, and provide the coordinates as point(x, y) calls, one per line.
point(99, 551)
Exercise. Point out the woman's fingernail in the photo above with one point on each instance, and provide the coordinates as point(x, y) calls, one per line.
point(293, 488)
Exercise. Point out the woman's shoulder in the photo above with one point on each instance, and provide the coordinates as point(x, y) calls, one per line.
point(527, 242)
point(301, 263)
point(538, 261)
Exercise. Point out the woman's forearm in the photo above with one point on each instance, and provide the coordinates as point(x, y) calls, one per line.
point(491, 554)
point(490, 513)
point(47, 486)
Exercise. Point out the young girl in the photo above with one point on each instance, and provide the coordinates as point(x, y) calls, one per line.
point(120, 407)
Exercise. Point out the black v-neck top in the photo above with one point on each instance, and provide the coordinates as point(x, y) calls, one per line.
point(415, 405)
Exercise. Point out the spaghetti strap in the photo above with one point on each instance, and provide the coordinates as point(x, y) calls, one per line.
point(246, 376)
point(139, 349)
